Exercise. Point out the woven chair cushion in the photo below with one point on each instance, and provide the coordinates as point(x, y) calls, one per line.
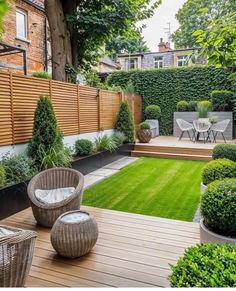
point(53, 195)
point(5, 232)
point(75, 217)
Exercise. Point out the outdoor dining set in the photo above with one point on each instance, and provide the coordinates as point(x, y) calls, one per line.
point(204, 127)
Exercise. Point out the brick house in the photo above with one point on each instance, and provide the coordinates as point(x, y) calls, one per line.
point(165, 57)
point(25, 38)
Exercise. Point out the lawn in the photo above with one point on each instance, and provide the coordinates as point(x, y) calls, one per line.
point(158, 187)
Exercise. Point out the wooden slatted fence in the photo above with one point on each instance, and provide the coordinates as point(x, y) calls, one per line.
point(79, 109)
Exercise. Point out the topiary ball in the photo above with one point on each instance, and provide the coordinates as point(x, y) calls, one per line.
point(227, 151)
point(182, 106)
point(152, 112)
point(83, 147)
point(218, 207)
point(218, 170)
point(144, 125)
point(206, 265)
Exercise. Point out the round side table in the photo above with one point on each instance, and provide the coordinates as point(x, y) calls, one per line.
point(74, 234)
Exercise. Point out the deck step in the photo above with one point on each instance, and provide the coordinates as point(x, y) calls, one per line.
point(195, 157)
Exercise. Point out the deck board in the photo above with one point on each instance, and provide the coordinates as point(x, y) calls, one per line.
point(132, 251)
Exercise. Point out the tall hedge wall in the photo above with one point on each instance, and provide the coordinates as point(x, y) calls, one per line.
point(165, 87)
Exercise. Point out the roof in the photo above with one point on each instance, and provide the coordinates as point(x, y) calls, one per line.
point(39, 4)
point(109, 62)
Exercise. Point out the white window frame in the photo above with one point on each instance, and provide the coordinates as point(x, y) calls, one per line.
point(128, 63)
point(158, 62)
point(24, 13)
point(182, 60)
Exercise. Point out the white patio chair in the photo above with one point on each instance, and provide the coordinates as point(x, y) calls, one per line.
point(220, 127)
point(202, 128)
point(185, 126)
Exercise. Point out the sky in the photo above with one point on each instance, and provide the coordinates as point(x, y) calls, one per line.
point(155, 26)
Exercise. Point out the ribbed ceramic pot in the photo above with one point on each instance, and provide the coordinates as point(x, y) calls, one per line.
point(144, 135)
point(74, 234)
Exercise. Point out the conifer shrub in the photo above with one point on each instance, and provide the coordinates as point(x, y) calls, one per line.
point(125, 122)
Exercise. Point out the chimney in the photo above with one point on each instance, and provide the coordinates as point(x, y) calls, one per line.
point(164, 46)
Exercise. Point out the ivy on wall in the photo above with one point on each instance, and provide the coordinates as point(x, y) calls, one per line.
point(165, 87)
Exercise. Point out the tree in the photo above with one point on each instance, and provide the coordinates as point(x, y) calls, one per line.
point(80, 28)
point(196, 15)
point(118, 44)
point(3, 10)
point(218, 42)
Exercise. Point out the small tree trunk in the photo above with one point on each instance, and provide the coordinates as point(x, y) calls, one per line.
point(60, 39)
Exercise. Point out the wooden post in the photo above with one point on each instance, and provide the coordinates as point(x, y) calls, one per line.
point(12, 108)
point(99, 109)
point(78, 107)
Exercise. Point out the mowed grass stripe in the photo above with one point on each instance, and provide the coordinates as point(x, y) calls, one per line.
point(158, 187)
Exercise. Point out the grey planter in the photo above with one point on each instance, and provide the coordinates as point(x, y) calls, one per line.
point(203, 188)
point(209, 236)
point(154, 126)
point(191, 116)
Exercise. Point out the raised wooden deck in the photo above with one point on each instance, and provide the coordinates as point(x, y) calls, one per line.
point(132, 251)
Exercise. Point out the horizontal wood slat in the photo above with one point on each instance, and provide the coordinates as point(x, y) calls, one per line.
point(79, 109)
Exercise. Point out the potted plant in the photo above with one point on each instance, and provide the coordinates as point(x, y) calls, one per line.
point(218, 210)
point(203, 107)
point(217, 170)
point(144, 133)
point(153, 114)
point(182, 106)
point(206, 265)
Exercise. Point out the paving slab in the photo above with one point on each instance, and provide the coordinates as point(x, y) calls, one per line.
point(120, 164)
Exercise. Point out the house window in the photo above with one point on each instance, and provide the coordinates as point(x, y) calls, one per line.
point(182, 61)
point(131, 63)
point(21, 24)
point(158, 62)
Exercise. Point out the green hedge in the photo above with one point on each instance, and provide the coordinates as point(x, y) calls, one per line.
point(165, 87)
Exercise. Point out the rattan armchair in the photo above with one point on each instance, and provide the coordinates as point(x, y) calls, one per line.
point(16, 254)
point(47, 213)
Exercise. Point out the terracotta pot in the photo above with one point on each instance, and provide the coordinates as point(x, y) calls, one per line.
point(144, 135)
point(207, 235)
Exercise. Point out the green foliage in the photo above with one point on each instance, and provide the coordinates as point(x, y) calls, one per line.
point(222, 100)
point(83, 147)
point(46, 134)
point(144, 125)
point(129, 88)
point(227, 151)
point(195, 15)
point(152, 112)
point(218, 207)
point(203, 107)
point(2, 176)
point(132, 44)
point(125, 122)
point(3, 11)
point(118, 138)
point(43, 75)
point(206, 265)
point(18, 168)
point(105, 143)
point(192, 105)
point(182, 106)
point(218, 170)
point(218, 42)
point(166, 87)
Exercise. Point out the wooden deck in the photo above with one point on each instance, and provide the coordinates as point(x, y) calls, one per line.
point(132, 251)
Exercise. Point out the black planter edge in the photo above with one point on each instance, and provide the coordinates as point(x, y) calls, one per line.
point(14, 198)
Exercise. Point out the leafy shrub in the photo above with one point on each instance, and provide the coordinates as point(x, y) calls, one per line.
point(119, 138)
point(192, 105)
point(42, 75)
point(129, 88)
point(125, 122)
point(83, 147)
point(168, 86)
point(18, 168)
point(2, 176)
point(182, 106)
point(144, 125)
point(222, 100)
point(56, 157)
point(218, 207)
point(218, 170)
point(153, 112)
point(203, 107)
point(227, 151)
point(206, 265)
point(105, 143)
point(46, 134)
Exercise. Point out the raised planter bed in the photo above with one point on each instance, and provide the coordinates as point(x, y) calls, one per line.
point(14, 198)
